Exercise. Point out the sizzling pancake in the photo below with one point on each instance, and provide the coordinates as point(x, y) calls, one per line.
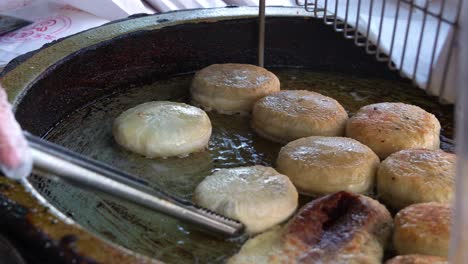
point(417, 259)
point(232, 88)
point(163, 129)
point(423, 229)
point(322, 165)
point(416, 176)
point(337, 228)
point(288, 115)
point(390, 127)
point(258, 196)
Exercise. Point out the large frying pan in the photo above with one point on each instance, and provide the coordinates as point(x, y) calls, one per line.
point(123, 58)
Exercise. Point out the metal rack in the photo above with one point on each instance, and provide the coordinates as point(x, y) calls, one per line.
point(414, 24)
point(412, 13)
point(414, 37)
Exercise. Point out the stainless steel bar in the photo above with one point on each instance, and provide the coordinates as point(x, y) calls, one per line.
point(400, 33)
point(405, 42)
point(378, 52)
point(325, 14)
point(451, 44)
point(336, 22)
point(85, 173)
point(316, 9)
point(391, 65)
point(434, 48)
point(356, 33)
point(348, 28)
point(438, 16)
point(306, 6)
point(421, 37)
point(261, 33)
point(368, 43)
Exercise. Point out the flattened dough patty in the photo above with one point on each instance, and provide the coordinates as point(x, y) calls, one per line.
point(423, 229)
point(323, 165)
point(232, 88)
point(288, 115)
point(416, 176)
point(417, 259)
point(258, 196)
point(162, 129)
point(390, 127)
point(337, 228)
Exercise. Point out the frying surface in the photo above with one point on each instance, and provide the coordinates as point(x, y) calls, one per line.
point(233, 143)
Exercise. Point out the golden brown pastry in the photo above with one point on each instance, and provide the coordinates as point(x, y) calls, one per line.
point(288, 115)
point(423, 229)
point(416, 176)
point(337, 228)
point(390, 127)
point(258, 196)
point(232, 88)
point(417, 259)
point(162, 129)
point(323, 165)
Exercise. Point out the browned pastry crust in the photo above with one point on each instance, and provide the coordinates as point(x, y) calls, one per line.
point(390, 127)
point(416, 176)
point(337, 228)
point(232, 88)
point(324, 165)
point(291, 114)
point(417, 259)
point(423, 229)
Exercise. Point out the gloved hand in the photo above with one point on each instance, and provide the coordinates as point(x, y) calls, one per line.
point(15, 155)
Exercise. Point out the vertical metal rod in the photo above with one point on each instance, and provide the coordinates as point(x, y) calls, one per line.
point(261, 32)
point(347, 28)
point(451, 47)
point(335, 21)
point(405, 42)
point(382, 16)
point(369, 22)
point(356, 33)
point(436, 43)
point(421, 37)
point(316, 9)
point(325, 7)
point(395, 25)
point(443, 83)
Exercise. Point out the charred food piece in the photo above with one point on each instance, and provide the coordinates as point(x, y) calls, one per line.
point(337, 228)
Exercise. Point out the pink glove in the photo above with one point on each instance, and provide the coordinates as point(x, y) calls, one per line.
point(15, 156)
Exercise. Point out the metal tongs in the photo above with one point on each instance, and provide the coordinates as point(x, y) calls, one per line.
point(86, 173)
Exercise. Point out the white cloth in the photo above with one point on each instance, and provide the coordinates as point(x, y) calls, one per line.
point(51, 21)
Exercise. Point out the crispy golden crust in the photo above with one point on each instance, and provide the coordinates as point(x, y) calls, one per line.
point(417, 259)
point(232, 88)
point(416, 176)
point(423, 229)
point(389, 127)
point(337, 228)
point(288, 115)
point(322, 165)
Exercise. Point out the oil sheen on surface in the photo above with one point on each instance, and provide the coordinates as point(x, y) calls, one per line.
point(233, 143)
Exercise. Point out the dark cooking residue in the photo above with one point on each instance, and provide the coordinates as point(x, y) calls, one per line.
point(233, 143)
